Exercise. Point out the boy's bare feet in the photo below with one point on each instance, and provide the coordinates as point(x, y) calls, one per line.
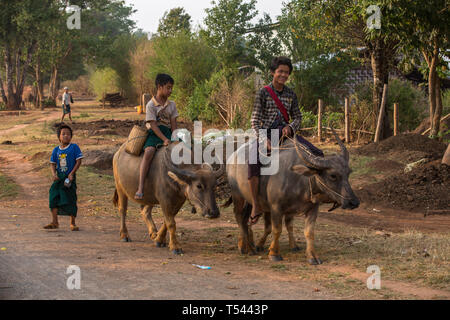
point(254, 216)
point(74, 228)
point(51, 226)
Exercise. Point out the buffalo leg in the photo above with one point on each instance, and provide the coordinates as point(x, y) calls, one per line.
point(160, 239)
point(289, 222)
point(169, 221)
point(241, 213)
point(277, 226)
point(147, 216)
point(123, 205)
point(310, 222)
point(267, 231)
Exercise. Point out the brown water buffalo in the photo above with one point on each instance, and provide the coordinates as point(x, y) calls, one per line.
point(167, 185)
point(302, 182)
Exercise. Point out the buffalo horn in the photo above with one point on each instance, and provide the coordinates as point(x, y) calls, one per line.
point(311, 160)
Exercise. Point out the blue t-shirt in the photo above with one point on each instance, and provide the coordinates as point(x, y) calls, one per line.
point(65, 158)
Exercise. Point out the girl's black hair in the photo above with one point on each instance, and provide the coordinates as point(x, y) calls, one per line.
point(277, 61)
point(63, 126)
point(162, 79)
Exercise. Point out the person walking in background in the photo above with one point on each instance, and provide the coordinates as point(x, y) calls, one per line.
point(66, 101)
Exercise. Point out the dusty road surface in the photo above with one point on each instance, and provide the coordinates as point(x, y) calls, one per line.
point(35, 262)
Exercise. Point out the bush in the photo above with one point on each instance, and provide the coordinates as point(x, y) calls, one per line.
point(104, 81)
point(49, 102)
point(2, 106)
point(80, 86)
point(412, 104)
point(186, 58)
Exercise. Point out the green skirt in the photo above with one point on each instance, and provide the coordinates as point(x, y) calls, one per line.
point(63, 198)
point(153, 140)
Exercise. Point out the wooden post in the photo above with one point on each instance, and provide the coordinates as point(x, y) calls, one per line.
point(319, 119)
point(347, 120)
point(381, 114)
point(396, 132)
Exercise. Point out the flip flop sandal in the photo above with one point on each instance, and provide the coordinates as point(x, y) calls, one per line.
point(138, 196)
point(254, 220)
point(74, 228)
point(51, 226)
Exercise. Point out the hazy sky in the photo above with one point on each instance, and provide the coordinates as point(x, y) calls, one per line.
point(150, 11)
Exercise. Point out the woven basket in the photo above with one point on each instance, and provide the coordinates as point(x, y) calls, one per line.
point(136, 140)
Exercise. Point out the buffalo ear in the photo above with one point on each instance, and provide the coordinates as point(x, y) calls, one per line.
point(176, 178)
point(303, 170)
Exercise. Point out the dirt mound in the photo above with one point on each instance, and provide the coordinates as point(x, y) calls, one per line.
point(102, 127)
point(99, 159)
point(386, 165)
point(405, 147)
point(423, 188)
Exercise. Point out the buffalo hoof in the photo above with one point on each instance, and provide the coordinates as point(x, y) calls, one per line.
point(315, 261)
point(259, 249)
point(160, 244)
point(295, 249)
point(177, 251)
point(276, 258)
point(126, 239)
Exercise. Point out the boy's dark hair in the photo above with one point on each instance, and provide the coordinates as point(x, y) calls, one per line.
point(162, 79)
point(63, 126)
point(277, 61)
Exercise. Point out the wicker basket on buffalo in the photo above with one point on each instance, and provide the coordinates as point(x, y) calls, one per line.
point(136, 140)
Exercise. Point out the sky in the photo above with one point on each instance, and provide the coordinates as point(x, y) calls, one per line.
point(150, 11)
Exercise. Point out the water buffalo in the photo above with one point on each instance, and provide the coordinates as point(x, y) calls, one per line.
point(167, 185)
point(302, 182)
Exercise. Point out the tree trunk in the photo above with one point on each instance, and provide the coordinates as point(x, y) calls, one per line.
point(39, 86)
point(436, 120)
point(380, 77)
point(52, 90)
point(2, 89)
point(432, 75)
point(14, 90)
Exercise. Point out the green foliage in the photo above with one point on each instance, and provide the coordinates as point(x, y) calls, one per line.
point(445, 102)
point(321, 78)
point(2, 106)
point(412, 101)
point(174, 21)
point(104, 81)
point(200, 105)
point(186, 58)
point(226, 23)
point(49, 102)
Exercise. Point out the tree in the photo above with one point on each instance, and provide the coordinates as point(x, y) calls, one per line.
point(175, 20)
point(424, 27)
point(341, 26)
point(227, 22)
point(19, 22)
point(266, 45)
point(186, 58)
point(140, 59)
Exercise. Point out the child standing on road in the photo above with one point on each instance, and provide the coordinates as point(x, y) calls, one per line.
point(65, 161)
point(161, 115)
